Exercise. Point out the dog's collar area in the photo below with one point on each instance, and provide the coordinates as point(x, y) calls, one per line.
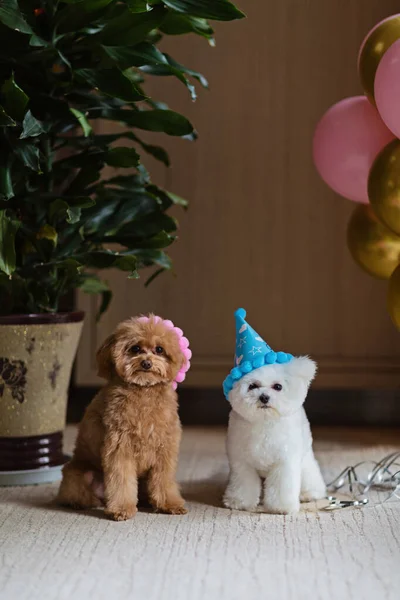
point(151, 385)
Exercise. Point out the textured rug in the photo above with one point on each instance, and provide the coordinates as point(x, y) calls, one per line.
point(212, 553)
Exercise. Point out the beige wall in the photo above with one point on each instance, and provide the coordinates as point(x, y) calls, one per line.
point(262, 230)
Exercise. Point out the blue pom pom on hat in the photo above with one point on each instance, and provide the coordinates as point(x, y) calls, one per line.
point(252, 352)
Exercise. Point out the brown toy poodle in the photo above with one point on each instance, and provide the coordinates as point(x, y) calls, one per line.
point(131, 429)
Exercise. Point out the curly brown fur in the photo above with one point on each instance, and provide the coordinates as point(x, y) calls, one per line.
point(131, 429)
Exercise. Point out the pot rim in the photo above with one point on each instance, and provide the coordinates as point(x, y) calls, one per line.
point(43, 318)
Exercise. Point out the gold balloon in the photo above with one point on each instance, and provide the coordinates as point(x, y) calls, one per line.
point(384, 186)
point(379, 39)
point(393, 299)
point(374, 247)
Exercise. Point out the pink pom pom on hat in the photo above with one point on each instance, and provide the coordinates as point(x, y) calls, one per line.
point(143, 319)
point(183, 344)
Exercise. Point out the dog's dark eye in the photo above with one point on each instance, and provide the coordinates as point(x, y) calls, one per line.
point(253, 386)
point(159, 349)
point(277, 387)
point(135, 349)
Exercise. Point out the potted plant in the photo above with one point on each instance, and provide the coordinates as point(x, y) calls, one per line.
point(65, 65)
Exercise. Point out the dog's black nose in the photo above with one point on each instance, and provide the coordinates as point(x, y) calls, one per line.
point(264, 398)
point(146, 364)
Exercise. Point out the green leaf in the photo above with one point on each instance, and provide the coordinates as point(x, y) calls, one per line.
point(169, 70)
point(106, 259)
point(12, 41)
point(173, 198)
point(148, 226)
point(166, 121)
point(150, 256)
point(70, 264)
point(5, 119)
point(89, 165)
point(58, 208)
point(200, 78)
point(105, 302)
point(84, 123)
point(86, 177)
point(6, 186)
point(73, 214)
point(158, 241)
point(69, 208)
point(14, 99)
point(93, 285)
point(111, 82)
point(47, 232)
point(92, 3)
point(122, 157)
point(12, 17)
point(8, 230)
point(80, 14)
point(28, 154)
point(177, 199)
point(64, 60)
point(137, 6)
point(128, 183)
point(31, 127)
point(129, 206)
point(179, 24)
point(37, 42)
point(89, 5)
point(156, 151)
point(128, 29)
point(135, 56)
point(94, 157)
point(218, 10)
point(153, 276)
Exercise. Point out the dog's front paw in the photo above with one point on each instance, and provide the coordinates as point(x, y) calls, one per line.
point(238, 504)
point(122, 513)
point(311, 495)
point(287, 507)
point(172, 506)
point(172, 509)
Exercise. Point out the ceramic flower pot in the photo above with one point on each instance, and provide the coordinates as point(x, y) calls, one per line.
point(36, 358)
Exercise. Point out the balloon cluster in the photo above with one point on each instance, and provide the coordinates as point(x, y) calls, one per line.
point(356, 151)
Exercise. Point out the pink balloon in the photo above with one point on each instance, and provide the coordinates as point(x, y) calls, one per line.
point(387, 88)
point(346, 141)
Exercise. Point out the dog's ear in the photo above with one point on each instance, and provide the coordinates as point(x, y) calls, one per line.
point(105, 363)
point(302, 367)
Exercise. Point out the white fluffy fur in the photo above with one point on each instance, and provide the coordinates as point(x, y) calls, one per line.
point(272, 442)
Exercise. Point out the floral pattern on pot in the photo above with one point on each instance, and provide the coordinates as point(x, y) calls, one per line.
point(53, 375)
point(13, 376)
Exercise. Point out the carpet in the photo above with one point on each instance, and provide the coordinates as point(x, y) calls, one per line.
point(47, 553)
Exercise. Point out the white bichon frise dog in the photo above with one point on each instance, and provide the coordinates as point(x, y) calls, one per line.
point(269, 436)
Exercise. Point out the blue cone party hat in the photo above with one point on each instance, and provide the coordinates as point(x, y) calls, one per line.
point(251, 352)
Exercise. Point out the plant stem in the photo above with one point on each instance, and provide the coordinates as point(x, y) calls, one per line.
point(48, 151)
